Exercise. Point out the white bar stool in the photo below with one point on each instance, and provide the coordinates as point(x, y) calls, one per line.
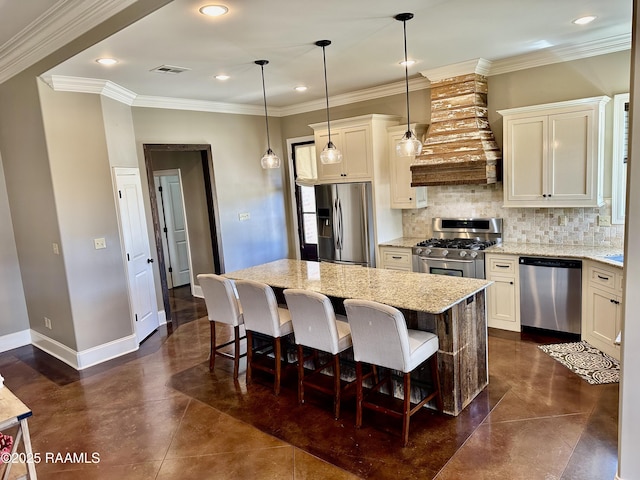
point(380, 337)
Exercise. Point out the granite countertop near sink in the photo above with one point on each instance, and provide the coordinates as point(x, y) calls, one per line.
point(584, 252)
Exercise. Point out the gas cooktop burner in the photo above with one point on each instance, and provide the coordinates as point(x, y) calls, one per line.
point(457, 243)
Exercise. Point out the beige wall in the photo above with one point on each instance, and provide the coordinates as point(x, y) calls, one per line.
point(195, 205)
point(13, 308)
point(86, 208)
point(242, 186)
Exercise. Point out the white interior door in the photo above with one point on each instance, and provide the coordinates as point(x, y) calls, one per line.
point(133, 226)
point(174, 226)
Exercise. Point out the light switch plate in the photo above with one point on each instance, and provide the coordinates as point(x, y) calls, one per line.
point(56, 248)
point(243, 217)
point(604, 221)
point(99, 243)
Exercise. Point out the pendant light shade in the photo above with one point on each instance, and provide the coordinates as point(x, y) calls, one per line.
point(269, 159)
point(409, 145)
point(330, 153)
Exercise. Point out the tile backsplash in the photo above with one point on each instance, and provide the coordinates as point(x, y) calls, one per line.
point(564, 226)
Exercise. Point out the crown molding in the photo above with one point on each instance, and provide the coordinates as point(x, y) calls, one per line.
point(553, 55)
point(372, 93)
point(479, 65)
point(202, 106)
point(62, 23)
point(476, 65)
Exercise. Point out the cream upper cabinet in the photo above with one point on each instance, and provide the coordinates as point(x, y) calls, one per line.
point(403, 195)
point(553, 154)
point(359, 141)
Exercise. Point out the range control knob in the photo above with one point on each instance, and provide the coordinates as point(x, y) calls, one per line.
point(463, 253)
point(418, 251)
point(473, 254)
point(427, 251)
point(445, 253)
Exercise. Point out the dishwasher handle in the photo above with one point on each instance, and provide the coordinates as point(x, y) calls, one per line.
point(550, 262)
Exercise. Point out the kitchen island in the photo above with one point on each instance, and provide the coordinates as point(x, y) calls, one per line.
point(454, 308)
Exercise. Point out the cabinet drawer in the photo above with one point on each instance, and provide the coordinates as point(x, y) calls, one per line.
point(504, 265)
point(603, 278)
point(396, 258)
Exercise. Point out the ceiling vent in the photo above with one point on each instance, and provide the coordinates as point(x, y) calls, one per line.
point(169, 69)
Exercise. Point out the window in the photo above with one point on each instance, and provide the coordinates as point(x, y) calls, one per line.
point(620, 151)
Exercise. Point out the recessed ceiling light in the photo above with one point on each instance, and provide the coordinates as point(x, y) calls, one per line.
point(213, 10)
point(222, 77)
point(408, 63)
point(584, 20)
point(300, 88)
point(107, 61)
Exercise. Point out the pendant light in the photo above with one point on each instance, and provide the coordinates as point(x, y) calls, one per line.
point(329, 154)
point(409, 145)
point(269, 159)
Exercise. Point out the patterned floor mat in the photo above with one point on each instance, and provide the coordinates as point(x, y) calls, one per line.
point(586, 361)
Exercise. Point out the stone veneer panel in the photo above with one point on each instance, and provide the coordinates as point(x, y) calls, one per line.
point(525, 225)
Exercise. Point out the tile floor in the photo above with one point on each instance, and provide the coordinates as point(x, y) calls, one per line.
point(160, 414)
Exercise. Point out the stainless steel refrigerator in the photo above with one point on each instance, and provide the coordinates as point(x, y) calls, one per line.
point(345, 223)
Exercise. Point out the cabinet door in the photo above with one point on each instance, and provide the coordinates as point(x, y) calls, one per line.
point(570, 169)
point(525, 157)
point(502, 303)
point(331, 172)
point(603, 321)
point(403, 195)
point(356, 152)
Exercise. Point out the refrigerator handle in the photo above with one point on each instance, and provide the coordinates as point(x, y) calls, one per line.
point(336, 226)
point(340, 226)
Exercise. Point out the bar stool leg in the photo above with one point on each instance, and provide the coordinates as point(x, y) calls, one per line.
point(359, 394)
point(336, 386)
point(406, 413)
point(300, 375)
point(236, 353)
point(277, 349)
point(249, 355)
point(212, 358)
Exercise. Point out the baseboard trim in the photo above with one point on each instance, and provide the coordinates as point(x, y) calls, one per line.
point(162, 317)
point(55, 349)
point(86, 358)
point(15, 340)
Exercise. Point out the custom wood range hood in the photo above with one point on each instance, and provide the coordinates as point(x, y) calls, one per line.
point(459, 147)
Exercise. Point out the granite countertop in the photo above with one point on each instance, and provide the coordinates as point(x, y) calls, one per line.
point(411, 291)
point(584, 252)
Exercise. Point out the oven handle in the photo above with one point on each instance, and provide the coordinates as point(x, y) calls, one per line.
point(451, 260)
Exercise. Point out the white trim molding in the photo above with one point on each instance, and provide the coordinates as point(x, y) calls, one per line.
point(15, 340)
point(86, 358)
point(60, 24)
point(479, 65)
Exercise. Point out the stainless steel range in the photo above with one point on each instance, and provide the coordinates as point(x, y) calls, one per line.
point(457, 247)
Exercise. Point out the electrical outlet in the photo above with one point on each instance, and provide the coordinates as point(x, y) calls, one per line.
point(56, 248)
point(562, 220)
point(243, 217)
point(604, 221)
point(99, 243)
point(47, 323)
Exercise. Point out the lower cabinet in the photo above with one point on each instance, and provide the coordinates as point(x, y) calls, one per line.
point(602, 306)
point(503, 296)
point(394, 258)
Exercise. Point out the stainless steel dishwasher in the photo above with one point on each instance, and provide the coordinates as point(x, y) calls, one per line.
point(550, 293)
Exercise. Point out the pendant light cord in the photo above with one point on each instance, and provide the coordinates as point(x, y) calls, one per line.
point(326, 92)
point(266, 117)
point(406, 75)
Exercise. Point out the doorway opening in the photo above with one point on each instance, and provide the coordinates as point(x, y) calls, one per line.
point(195, 166)
point(303, 156)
